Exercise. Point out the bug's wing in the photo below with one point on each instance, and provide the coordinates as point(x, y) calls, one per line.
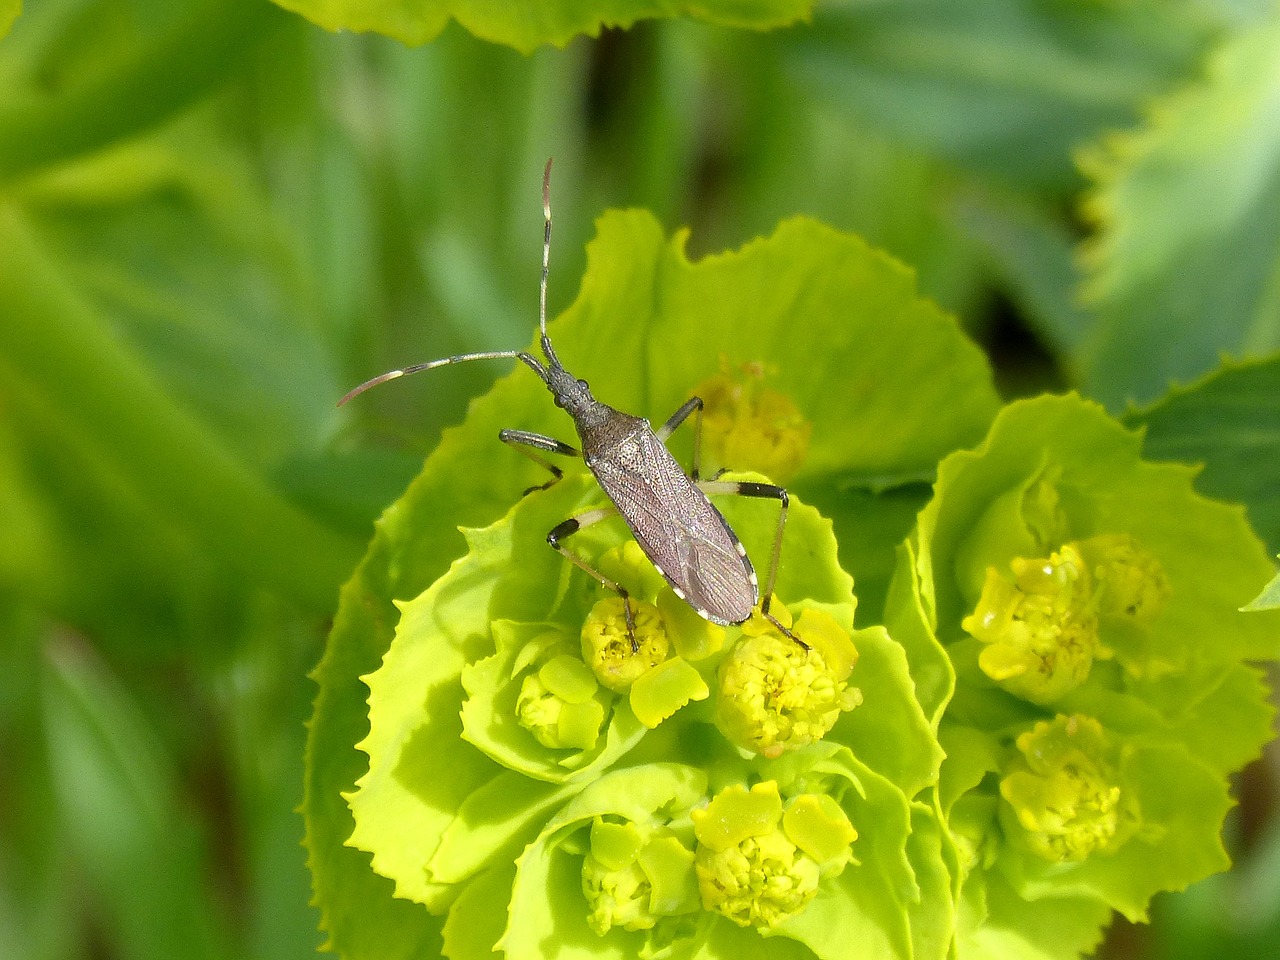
point(679, 530)
point(720, 583)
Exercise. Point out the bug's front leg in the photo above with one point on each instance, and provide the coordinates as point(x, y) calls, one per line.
point(523, 440)
point(568, 528)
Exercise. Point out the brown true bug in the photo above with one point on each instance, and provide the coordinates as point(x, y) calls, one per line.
point(687, 539)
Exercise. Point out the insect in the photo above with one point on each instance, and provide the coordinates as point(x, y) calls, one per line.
point(680, 531)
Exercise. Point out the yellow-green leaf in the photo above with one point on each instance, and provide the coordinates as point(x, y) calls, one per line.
point(527, 24)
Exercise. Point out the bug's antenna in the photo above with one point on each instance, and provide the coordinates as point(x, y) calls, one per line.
point(546, 265)
point(529, 360)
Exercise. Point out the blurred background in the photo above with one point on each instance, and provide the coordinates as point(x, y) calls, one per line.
point(216, 217)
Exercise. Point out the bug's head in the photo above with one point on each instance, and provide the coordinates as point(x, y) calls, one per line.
point(571, 394)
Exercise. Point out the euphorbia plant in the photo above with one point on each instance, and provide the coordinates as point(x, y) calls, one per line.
point(1087, 602)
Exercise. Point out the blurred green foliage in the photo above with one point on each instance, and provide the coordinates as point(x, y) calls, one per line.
point(215, 217)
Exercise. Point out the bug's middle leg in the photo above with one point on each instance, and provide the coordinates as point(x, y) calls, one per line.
point(566, 529)
point(523, 441)
point(748, 488)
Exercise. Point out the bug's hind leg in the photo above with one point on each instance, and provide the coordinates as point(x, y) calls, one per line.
point(523, 441)
point(747, 488)
point(566, 529)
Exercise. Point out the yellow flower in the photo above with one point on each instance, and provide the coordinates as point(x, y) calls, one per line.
point(1040, 628)
point(1062, 790)
point(748, 426)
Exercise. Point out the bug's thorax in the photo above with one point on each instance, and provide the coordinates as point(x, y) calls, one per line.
point(600, 427)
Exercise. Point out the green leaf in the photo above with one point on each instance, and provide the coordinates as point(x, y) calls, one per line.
point(909, 623)
point(1268, 599)
point(119, 433)
point(1236, 699)
point(1001, 925)
point(130, 88)
point(1006, 87)
point(1187, 262)
point(767, 302)
point(492, 825)
point(872, 433)
point(178, 247)
point(402, 806)
point(1230, 422)
point(9, 11)
point(870, 525)
point(972, 754)
point(29, 554)
point(38, 914)
point(129, 826)
point(527, 24)
point(889, 730)
point(475, 922)
point(932, 929)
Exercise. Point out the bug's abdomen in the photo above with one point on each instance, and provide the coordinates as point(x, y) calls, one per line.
point(677, 527)
point(718, 583)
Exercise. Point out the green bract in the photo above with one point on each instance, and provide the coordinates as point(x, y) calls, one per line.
point(1064, 622)
point(1268, 599)
point(533, 656)
point(653, 860)
point(1086, 604)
